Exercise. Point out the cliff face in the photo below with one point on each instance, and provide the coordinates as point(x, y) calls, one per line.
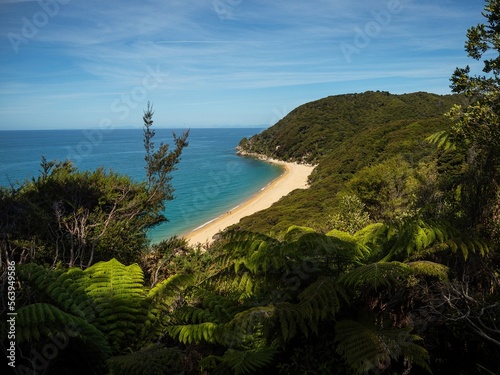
point(343, 135)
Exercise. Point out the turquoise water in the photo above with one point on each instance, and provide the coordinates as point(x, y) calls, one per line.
point(211, 179)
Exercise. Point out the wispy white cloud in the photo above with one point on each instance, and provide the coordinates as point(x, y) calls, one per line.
point(95, 51)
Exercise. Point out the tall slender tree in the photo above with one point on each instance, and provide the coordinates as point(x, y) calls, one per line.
point(161, 162)
point(477, 128)
point(81, 217)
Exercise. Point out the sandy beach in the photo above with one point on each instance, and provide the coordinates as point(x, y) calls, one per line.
point(294, 177)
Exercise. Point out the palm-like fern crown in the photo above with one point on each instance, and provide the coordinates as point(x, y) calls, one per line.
point(259, 294)
point(106, 307)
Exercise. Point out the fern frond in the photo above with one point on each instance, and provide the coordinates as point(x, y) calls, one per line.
point(61, 288)
point(243, 362)
point(331, 246)
point(366, 347)
point(153, 360)
point(222, 309)
point(192, 314)
point(169, 287)
point(216, 320)
point(294, 232)
point(42, 320)
point(40, 277)
point(119, 300)
point(290, 318)
point(245, 284)
point(251, 321)
point(456, 244)
point(442, 139)
point(196, 333)
point(416, 354)
point(375, 275)
point(468, 245)
point(359, 346)
point(373, 234)
point(159, 301)
point(256, 252)
point(268, 257)
point(320, 299)
point(415, 236)
point(69, 293)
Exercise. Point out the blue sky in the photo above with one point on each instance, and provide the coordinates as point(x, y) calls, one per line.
point(205, 63)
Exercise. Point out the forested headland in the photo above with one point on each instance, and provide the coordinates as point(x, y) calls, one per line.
point(387, 264)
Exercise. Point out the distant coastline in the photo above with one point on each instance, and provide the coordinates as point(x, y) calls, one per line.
point(294, 176)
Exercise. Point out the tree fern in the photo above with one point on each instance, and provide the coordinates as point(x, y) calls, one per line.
point(415, 235)
point(375, 275)
point(415, 238)
point(108, 303)
point(442, 139)
point(63, 289)
point(294, 232)
point(336, 246)
point(39, 321)
point(204, 323)
point(249, 265)
point(290, 320)
point(207, 332)
point(321, 299)
point(367, 348)
point(258, 253)
point(108, 295)
point(251, 361)
point(118, 295)
point(465, 246)
point(160, 303)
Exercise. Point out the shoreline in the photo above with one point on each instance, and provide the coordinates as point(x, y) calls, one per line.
point(294, 176)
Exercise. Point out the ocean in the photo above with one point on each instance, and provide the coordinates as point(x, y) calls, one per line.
point(210, 180)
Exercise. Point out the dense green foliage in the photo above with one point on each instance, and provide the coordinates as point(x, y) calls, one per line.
point(374, 301)
point(81, 217)
point(76, 217)
point(476, 132)
point(97, 313)
point(314, 130)
point(391, 265)
point(375, 141)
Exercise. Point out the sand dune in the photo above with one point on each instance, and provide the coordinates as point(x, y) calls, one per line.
point(294, 177)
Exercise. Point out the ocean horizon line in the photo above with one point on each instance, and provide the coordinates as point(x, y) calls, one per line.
point(140, 127)
point(209, 180)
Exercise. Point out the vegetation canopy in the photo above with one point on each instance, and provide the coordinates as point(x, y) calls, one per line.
point(388, 264)
point(80, 217)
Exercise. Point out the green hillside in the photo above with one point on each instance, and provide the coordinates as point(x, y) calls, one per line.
point(342, 135)
point(388, 264)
